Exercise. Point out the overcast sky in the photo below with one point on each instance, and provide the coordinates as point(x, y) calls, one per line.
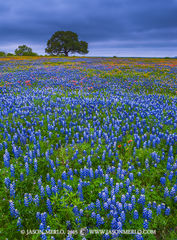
point(111, 27)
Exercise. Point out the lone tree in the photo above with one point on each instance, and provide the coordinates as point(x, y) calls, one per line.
point(23, 50)
point(63, 42)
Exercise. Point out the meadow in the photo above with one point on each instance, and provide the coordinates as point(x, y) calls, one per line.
point(88, 148)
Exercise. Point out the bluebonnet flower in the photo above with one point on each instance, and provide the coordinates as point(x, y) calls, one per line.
point(42, 192)
point(107, 179)
point(81, 212)
point(170, 153)
point(145, 211)
point(57, 162)
point(162, 180)
point(36, 199)
point(12, 190)
point(154, 204)
point(7, 182)
point(167, 211)
point(142, 199)
point(158, 210)
point(145, 224)
point(122, 215)
point(170, 177)
point(125, 206)
point(99, 220)
point(48, 177)
point(130, 207)
point(149, 205)
point(149, 214)
point(12, 170)
point(12, 208)
point(39, 183)
point(123, 198)
point(127, 182)
point(16, 213)
point(121, 176)
point(116, 188)
point(55, 189)
point(19, 223)
point(135, 214)
point(133, 200)
point(93, 215)
point(131, 177)
point(113, 199)
point(121, 185)
point(1, 146)
point(119, 225)
point(43, 219)
point(48, 191)
point(59, 185)
point(41, 227)
point(27, 168)
point(166, 192)
point(172, 192)
point(104, 196)
point(119, 206)
point(69, 237)
point(21, 177)
point(6, 158)
point(106, 236)
point(105, 206)
point(111, 182)
point(137, 191)
point(53, 181)
point(38, 216)
point(98, 205)
point(49, 206)
point(127, 196)
point(139, 237)
point(68, 224)
point(26, 201)
point(30, 198)
point(114, 224)
point(143, 191)
point(35, 165)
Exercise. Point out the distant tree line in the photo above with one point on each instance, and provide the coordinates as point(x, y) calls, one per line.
point(3, 54)
point(22, 50)
point(61, 43)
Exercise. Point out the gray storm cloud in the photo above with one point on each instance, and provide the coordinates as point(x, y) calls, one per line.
point(104, 24)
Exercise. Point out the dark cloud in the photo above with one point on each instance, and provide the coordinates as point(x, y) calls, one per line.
point(105, 24)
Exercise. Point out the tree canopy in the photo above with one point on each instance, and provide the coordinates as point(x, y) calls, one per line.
point(63, 42)
point(24, 50)
point(2, 54)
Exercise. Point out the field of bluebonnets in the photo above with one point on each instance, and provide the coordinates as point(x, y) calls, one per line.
point(88, 143)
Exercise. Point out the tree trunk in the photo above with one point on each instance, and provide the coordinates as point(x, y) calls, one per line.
point(66, 53)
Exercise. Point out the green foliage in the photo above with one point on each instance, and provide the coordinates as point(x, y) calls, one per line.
point(2, 54)
point(24, 50)
point(63, 42)
point(64, 202)
point(10, 54)
point(63, 208)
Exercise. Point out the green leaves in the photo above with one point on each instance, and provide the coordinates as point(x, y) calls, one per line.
point(24, 50)
point(63, 42)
